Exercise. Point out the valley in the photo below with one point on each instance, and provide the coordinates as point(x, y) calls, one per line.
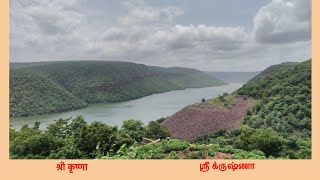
point(268, 117)
point(87, 82)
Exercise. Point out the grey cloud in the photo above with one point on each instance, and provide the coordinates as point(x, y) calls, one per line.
point(143, 41)
point(45, 28)
point(283, 21)
point(56, 21)
point(62, 30)
point(214, 38)
point(139, 12)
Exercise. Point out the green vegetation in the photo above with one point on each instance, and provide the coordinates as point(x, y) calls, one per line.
point(266, 140)
point(155, 130)
point(222, 100)
point(277, 127)
point(75, 139)
point(284, 100)
point(284, 105)
point(279, 123)
point(40, 88)
point(174, 145)
point(33, 93)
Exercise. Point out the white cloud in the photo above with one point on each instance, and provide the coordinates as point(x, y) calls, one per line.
point(141, 43)
point(214, 38)
point(61, 30)
point(43, 28)
point(283, 21)
point(140, 13)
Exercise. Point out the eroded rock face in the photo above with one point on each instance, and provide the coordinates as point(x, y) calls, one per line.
point(203, 118)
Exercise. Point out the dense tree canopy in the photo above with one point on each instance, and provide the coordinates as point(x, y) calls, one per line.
point(41, 88)
point(284, 100)
point(279, 123)
point(33, 93)
point(75, 139)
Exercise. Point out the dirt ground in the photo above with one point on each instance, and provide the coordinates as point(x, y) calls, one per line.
point(203, 118)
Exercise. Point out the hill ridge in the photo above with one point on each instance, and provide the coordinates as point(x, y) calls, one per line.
point(105, 81)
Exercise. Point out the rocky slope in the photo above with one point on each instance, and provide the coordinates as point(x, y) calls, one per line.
point(203, 118)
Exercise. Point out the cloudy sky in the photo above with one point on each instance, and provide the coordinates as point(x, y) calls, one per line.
point(217, 35)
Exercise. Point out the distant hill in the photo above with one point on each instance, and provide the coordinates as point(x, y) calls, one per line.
point(102, 81)
point(233, 77)
point(19, 65)
point(268, 118)
point(274, 68)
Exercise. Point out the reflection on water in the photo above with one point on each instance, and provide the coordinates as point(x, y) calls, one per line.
point(147, 109)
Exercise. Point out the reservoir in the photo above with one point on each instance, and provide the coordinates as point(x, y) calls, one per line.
point(146, 109)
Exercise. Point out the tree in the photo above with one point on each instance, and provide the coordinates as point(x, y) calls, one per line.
point(30, 143)
point(120, 139)
point(59, 128)
point(36, 125)
point(76, 124)
point(221, 98)
point(264, 139)
point(24, 127)
point(155, 130)
point(92, 135)
point(134, 128)
point(161, 119)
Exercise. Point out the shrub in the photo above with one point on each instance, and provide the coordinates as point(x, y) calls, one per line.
point(174, 145)
point(195, 155)
point(264, 139)
point(226, 149)
point(255, 154)
point(211, 152)
point(197, 148)
point(150, 151)
point(173, 155)
point(155, 130)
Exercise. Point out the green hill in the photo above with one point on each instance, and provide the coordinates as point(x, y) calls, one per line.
point(278, 124)
point(33, 93)
point(283, 106)
point(284, 94)
point(106, 81)
point(277, 127)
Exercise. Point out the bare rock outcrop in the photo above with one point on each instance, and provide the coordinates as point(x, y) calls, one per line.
point(203, 118)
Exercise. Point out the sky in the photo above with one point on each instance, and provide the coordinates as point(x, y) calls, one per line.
point(209, 35)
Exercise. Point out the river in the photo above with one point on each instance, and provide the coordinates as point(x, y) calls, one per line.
point(147, 109)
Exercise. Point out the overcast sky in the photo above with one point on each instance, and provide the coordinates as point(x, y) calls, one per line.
point(216, 35)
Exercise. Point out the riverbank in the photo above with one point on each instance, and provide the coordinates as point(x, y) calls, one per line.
point(147, 109)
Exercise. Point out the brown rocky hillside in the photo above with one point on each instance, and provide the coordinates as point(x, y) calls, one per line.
point(207, 117)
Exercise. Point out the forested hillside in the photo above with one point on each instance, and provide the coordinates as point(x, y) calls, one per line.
point(101, 81)
point(280, 122)
point(277, 126)
point(284, 100)
point(33, 93)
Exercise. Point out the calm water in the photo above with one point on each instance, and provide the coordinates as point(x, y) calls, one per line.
point(147, 109)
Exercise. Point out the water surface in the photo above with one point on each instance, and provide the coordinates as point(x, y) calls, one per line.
point(147, 109)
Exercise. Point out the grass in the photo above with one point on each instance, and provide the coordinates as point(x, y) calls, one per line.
point(222, 101)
